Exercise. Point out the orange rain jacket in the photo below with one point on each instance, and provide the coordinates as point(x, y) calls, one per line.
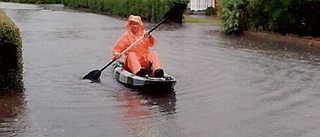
point(139, 55)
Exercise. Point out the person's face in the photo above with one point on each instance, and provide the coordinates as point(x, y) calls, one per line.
point(134, 27)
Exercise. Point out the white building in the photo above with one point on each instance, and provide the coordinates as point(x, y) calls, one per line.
point(200, 5)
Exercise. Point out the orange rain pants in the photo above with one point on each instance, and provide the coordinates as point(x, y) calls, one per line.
point(134, 63)
point(139, 55)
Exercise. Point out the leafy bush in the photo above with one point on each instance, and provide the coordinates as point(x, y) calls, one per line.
point(210, 11)
point(229, 13)
point(269, 15)
point(11, 54)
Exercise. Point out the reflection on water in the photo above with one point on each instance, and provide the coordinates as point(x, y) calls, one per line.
point(13, 114)
point(144, 114)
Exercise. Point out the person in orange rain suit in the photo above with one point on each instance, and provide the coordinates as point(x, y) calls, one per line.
point(138, 57)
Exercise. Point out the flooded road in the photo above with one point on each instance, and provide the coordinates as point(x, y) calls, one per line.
point(225, 87)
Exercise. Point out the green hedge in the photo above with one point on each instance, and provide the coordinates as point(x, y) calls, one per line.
point(284, 16)
point(34, 1)
point(300, 17)
point(149, 10)
point(10, 54)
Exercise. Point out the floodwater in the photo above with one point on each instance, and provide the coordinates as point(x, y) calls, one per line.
point(226, 87)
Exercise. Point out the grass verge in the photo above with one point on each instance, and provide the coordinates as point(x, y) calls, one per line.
point(201, 19)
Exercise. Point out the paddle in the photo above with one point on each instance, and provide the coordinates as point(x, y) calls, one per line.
point(171, 16)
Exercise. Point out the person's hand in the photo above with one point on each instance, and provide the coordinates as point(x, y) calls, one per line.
point(147, 35)
point(116, 55)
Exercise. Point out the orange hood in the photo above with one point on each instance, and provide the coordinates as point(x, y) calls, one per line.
point(138, 20)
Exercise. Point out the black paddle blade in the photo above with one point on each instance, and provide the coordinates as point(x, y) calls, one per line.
point(175, 13)
point(93, 75)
